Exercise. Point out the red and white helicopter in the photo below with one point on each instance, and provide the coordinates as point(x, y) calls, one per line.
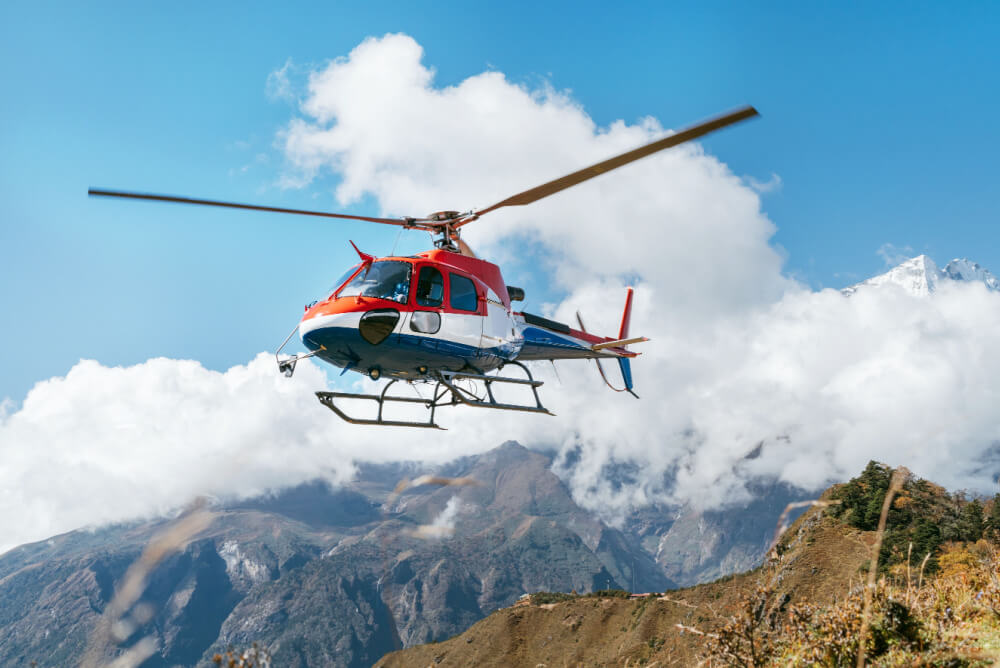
point(445, 316)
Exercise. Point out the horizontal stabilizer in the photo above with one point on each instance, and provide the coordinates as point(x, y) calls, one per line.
point(620, 343)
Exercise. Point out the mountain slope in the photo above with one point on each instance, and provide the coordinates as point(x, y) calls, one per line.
point(328, 577)
point(804, 606)
point(937, 601)
point(822, 558)
point(341, 576)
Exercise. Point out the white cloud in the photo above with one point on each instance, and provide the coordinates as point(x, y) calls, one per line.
point(893, 255)
point(106, 444)
point(773, 184)
point(740, 354)
point(446, 519)
point(442, 526)
point(279, 83)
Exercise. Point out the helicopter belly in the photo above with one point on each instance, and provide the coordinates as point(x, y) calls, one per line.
point(340, 339)
point(455, 343)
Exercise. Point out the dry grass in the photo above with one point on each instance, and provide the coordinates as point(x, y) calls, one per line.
point(441, 481)
point(952, 619)
point(428, 531)
point(123, 616)
point(783, 524)
point(255, 657)
point(899, 476)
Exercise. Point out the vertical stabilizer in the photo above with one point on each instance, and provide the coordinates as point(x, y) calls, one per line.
point(626, 368)
point(627, 315)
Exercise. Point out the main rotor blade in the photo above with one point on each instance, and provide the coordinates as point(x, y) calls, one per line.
point(254, 207)
point(552, 187)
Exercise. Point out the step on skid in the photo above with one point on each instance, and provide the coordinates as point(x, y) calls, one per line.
point(447, 392)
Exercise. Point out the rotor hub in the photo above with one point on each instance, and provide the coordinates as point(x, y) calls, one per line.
point(443, 215)
point(446, 237)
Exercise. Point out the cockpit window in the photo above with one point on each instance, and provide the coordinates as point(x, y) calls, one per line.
point(463, 294)
point(430, 287)
point(340, 281)
point(388, 279)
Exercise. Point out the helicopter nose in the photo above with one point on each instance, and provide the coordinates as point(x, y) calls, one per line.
point(328, 330)
point(334, 331)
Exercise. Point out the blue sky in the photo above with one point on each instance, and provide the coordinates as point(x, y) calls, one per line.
point(879, 121)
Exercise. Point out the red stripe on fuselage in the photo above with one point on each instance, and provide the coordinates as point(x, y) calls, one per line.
point(627, 315)
point(350, 305)
point(485, 272)
point(485, 275)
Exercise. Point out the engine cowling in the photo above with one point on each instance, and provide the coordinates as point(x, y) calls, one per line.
point(515, 294)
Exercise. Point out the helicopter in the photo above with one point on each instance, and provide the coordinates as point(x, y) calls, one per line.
point(446, 317)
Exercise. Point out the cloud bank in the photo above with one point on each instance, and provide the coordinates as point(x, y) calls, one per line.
point(105, 444)
point(749, 374)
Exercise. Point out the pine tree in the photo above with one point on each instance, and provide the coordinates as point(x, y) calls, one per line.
point(993, 523)
point(926, 538)
point(862, 497)
point(970, 521)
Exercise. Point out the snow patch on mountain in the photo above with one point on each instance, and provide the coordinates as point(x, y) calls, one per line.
point(920, 276)
point(240, 565)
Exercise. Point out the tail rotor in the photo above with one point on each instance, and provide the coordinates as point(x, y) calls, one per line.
point(623, 362)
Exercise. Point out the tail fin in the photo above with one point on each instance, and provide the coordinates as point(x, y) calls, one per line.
point(623, 362)
point(627, 314)
point(626, 369)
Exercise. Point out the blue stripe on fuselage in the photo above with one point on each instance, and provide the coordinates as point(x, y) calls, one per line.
point(344, 347)
point(542, 344)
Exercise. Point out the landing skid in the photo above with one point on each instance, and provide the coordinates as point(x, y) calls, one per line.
point(447, 392)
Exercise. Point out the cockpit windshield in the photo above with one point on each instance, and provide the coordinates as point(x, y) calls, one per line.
point(387, 279)
point(340, 281)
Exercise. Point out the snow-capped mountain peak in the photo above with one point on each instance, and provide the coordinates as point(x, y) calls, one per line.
point(965, 270)
point(921, 276)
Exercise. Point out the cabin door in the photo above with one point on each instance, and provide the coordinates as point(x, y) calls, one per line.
point(497, 333)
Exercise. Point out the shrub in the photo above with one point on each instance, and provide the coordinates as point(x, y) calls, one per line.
point(610, 593)
point(951, 620)
point(544, 597)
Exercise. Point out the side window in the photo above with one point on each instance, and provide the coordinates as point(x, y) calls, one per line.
point(463, 294)
point(427, 322)
point(430, 287)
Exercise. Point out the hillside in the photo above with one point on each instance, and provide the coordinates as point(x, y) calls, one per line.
point(824, 559)
point(802, 607)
